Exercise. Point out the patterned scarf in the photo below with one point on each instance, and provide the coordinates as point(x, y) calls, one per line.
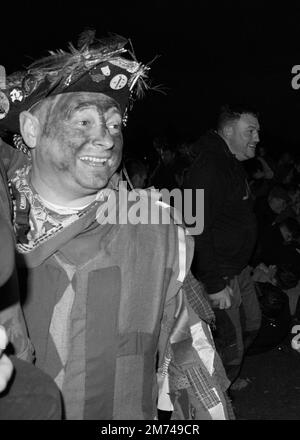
point(33, 216)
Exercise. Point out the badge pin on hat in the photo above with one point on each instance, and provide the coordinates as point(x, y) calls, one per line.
point(96, 65)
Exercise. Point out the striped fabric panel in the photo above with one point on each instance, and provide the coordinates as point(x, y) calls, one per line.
point(195, 294)
point(202, 387)
point(102, 338)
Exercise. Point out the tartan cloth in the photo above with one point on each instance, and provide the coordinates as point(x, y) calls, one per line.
point(197, 377)
point(196, 296)
point(202, 386)
point(188, 372)
point(230, 411)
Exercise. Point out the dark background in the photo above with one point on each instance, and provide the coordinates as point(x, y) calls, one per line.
point(210, 53)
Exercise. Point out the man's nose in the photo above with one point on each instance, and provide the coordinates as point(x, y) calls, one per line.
point(103, 138)
point(256, 136)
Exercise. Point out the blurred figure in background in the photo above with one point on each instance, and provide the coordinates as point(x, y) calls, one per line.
point(137, 172)
point(164, 174)
point(284, 168)
point(258, 183)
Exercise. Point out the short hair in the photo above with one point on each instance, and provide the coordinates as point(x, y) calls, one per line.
point(230, 113)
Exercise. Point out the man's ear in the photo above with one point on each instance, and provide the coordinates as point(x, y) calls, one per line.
point(227, 131)
point(30, 128)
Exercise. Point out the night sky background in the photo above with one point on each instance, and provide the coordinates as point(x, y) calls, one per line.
point(210, 53)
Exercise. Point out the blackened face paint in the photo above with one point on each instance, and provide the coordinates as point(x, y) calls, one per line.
point(80, 145)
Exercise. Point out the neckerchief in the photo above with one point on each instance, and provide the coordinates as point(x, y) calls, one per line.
point(33, 221)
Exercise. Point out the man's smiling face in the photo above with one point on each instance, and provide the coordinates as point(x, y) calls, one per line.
point(80, 142)
point(244, 137)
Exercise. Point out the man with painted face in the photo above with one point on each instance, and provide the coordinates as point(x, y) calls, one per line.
point(223, 250)
point(102, 292)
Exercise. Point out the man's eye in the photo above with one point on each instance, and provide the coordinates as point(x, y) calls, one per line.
point(84, 123)
point(114, 128)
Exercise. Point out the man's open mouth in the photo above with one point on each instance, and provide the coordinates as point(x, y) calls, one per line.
point(94, 161)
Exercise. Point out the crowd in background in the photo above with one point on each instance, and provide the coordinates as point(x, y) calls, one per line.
point(175, 310)
point(274, 184)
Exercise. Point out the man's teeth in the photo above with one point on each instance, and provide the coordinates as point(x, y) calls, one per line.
point(93, 159)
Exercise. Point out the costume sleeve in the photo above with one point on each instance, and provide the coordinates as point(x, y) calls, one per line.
point(189, 378)
point(186, 379)
point(11, 317)
point(12, 158)
point(197, 299)
point(205, 175)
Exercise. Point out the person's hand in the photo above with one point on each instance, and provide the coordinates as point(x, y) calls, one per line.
point(6, 366)
point(222, 300)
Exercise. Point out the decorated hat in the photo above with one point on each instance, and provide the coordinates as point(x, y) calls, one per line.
point(95, 66)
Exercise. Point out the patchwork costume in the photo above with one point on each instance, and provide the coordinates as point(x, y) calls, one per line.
point(101, 322)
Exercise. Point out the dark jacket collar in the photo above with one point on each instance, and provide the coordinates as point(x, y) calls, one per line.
point(222, 143)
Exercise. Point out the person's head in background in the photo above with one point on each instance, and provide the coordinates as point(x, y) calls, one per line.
point(239, 128)
point(137, 172)
point(168, 155)
point(254, 169)
point(286, 158)
point(159, 142)
point(294, 193)
point(261, 150)
point(290, 230)
point(278, 199)
point(164, 149)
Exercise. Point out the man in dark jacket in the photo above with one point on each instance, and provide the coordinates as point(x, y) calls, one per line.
point(223, 250)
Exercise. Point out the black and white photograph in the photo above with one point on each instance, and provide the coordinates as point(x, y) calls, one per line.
point(149, 215)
